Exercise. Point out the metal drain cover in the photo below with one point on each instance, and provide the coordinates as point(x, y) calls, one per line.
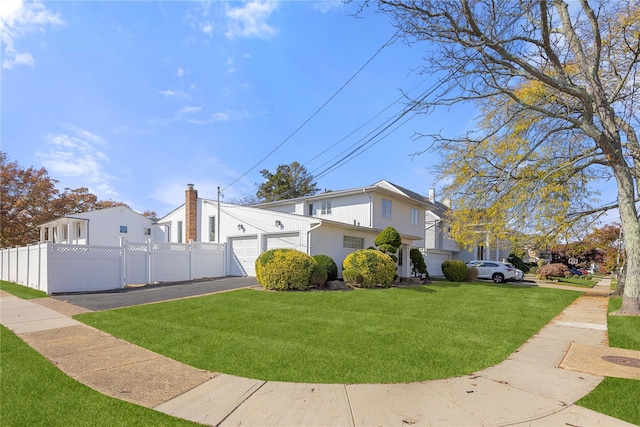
point(631, 362)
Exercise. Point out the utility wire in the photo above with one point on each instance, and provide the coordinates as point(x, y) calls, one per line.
point(387, 43)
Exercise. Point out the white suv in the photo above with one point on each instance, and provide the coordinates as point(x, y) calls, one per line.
point(497, 271)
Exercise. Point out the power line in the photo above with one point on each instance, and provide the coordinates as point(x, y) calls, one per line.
point(390, 41)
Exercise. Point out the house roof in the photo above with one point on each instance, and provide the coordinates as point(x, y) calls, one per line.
point(380, 186)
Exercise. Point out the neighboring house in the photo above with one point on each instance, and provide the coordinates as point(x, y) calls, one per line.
point(102, 227)
point(332, 223)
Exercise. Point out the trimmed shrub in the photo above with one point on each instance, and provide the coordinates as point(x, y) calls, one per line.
point(454, 270)
point(553, 270)
point(472, 274)
point(330, 266)
point(318, 277)
point(419, 267)
point(351, 277)
point(517, 262)
point(376, 268)
point(284, 269)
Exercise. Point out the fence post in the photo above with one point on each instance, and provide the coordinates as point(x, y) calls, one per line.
point(28, 266)
point(123, 261)
point(149, 261)
point(190, 259)
point(48, 249)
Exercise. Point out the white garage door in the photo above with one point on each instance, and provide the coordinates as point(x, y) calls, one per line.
point(434, 263)
point(244, 252)
point(288, 240)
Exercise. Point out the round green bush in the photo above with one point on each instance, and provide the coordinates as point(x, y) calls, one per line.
point(454, 270)
point(284, 269)
point(376, 268)
point(318, 277)
point(326, 262)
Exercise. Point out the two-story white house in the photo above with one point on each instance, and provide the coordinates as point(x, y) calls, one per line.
point(333, 223)
point(102, 227)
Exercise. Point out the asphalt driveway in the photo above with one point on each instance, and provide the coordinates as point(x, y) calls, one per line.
point(154, 293)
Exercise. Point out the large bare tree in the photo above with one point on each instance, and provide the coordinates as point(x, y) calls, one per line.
point(558, 84)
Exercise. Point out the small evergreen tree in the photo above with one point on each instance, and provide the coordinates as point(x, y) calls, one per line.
point(388, 241)
point(419, 266)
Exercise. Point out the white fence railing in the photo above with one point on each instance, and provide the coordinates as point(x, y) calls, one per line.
point(57, 268)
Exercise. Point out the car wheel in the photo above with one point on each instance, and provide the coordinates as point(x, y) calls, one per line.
point(498, 278)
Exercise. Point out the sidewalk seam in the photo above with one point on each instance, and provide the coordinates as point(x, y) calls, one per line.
point(241, 403)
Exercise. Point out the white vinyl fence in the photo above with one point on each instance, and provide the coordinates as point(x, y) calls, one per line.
point(57, 268)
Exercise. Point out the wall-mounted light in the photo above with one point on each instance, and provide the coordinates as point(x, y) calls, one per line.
point(240, 227)
point(278, 223)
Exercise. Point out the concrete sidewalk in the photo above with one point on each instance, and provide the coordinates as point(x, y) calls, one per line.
point(529, 388)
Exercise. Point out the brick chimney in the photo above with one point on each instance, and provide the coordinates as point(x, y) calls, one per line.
point(191, 213)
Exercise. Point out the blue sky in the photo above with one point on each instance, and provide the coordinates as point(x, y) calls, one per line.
point(136, 99)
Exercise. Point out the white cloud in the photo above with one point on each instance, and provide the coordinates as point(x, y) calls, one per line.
point(17, 19)
point(181, 72)
point(250, 20)
point(189, 110)
point(215, 117)
point(328, 5)
point(78, 154)
point(206, 28)
point(170, 93)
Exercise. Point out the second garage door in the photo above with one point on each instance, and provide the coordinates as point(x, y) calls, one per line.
point(284, 240)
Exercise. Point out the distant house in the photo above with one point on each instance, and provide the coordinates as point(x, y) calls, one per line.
point(332, 223)
point(102, 227)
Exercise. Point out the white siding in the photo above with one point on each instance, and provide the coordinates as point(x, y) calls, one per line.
point(400, 215)
point(349, 209)
point(327, 240)
point(100, 227)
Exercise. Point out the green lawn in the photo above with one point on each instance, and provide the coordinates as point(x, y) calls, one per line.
point(21, 291)
point(33, 392)
point(361, 336)
point(618, 397)
point(578, 281)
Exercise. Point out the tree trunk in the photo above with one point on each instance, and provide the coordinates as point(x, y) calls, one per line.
point(620, 285)
point(631, 231)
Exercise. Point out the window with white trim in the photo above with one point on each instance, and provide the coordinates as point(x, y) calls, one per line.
point(146, 231)
point(123, 228)
point(326, 207)
point(415, 216)
point(386, 208)
point(212, 228)
point(179, 231)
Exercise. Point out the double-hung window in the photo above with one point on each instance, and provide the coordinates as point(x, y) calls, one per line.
point(415, 216)
point(326, 207)
point(386, 208)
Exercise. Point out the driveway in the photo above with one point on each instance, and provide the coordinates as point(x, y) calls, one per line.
point(154, 293)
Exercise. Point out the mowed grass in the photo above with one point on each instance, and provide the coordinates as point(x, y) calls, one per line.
point(21, 291)
point(618, 397)
point(361, 336)
point(33, 392)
